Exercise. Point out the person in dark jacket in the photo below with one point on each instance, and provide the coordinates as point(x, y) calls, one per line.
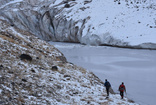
point(107, 85)
point(122, 89)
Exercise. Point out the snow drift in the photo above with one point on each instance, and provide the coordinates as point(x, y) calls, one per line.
point(124, 23)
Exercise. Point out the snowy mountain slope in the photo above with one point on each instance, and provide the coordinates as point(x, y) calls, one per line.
point(121, 23)
point(34, 81)
point(126, 23)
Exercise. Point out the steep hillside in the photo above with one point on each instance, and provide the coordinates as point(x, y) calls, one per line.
point(124, 23)
point(34, 72)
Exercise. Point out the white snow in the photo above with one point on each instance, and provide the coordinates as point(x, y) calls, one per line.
point(128, 24)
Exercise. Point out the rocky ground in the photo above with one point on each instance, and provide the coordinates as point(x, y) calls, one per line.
point(43, 76)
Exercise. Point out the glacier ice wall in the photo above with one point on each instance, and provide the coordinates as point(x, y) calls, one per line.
point(125, 23)
point(45, 21)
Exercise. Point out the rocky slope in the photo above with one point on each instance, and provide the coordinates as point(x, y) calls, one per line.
point(44, 77)
point(125, 23)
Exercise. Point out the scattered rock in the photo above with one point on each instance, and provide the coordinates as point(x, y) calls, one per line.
point(32, 70)
point(54, 68)
point(24, 80)
point(26, 57)
point(1, 66)
point(152, 26)
point(75, 93)
point(13, 83)
point(88, 102)
point(12, 25)
point(11, 72)
point(65, 1)
point(87, 1)
point(83, 99)
point(66, 76)
point(67, 6)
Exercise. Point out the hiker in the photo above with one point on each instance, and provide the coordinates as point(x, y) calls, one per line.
point(122, 89)
point(107, 85)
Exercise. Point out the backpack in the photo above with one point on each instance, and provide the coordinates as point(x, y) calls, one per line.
point(107, 84)
point(121, 88)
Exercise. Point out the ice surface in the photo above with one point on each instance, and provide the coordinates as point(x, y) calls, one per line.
point(136, 68)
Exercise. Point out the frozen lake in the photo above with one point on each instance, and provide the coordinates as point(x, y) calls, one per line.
point(136, 68)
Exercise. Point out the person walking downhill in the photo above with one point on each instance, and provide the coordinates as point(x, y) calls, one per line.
point(122, 89)
point(107, 85)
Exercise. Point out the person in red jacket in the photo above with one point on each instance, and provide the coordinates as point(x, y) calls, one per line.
point(122, 89)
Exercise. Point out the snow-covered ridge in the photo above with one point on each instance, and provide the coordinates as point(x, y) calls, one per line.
point(124, 23)
point(36, 82)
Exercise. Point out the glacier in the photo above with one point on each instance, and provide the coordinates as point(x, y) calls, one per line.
point(121, 23)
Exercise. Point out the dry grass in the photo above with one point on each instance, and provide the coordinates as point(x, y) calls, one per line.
point(8, 39)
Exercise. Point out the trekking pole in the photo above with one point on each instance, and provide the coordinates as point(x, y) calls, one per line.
point(126, 93)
